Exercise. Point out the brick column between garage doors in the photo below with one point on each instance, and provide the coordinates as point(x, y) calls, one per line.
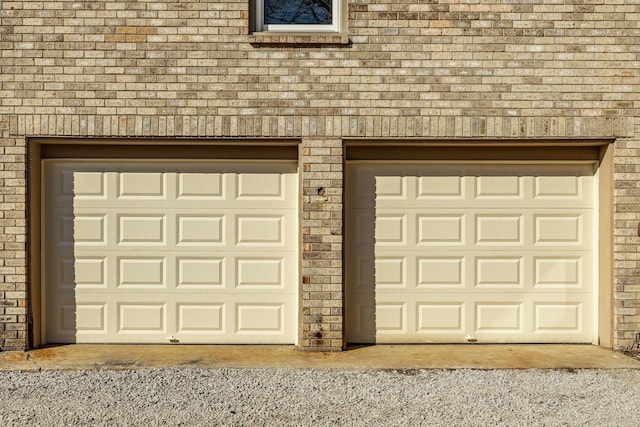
point(322, 290)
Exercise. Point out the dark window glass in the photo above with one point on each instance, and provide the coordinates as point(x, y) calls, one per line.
point(313, 12)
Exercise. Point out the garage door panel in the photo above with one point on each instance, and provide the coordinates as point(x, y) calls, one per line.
point(86, 229)
point(441, 229)
point(558, 187)
point(391, 229)
point(450, 188)
point(499, 317)
point(445, 188)
point(560, 271)
point(142, 272)
point(499, 187)
point(92, 317)
point(201, 186)
point(84, 185)
point(449, 229)
point(566, 317)
point(391, 187)
point(60, 230)
point(122, 184)
point(391, 318)
point(260, 273)
point(487, 250)
point(363, 223)
point(200, 272)
point(260, 318)
point(200, 229)
point(499, 229)
point(362, 273)
point(391, 272)
point(563, 229)
point(446, 317)
point(199, 318)
point(264, 186)
point(137, 318)
point(89, 272)
point(362, 190)
point(171, 251)
point(440, 272)
point(503, 272)
point(141, 229)
point(141, 186)
point(263, 230)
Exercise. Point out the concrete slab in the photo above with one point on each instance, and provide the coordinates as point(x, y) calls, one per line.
point(469, 356)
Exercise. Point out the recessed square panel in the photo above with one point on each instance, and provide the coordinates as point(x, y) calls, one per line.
point(558, 229)
point(200, 318)
point(67, 319)
point(557, 186)
point(366, 319)
point(200, 272)
point(498, 187)
point(558, 317)
point(259, 318)
point(391, 318)
point(260, 230)
point(390, 229)
point(390, 272)
point(441, 317)
point(390, 186)
point(141, 185)
point(260, 185)
point(90, 272)
point(91, 318)
point(67, 179)
point(440, 229)
point(200, 185)
point(67, 278)
point(557, 271)
point(365, 226)
point(499, 271)
point(67, 228)
point(141, 272)
point(89, 229)
point(366, 274)
point(149, 318)
point(141, 229)
point(362, 191)
point(498, 229)
point(86, 184)
point(260, 272)
point(440, 187)
point(498, 317)
point(200, 230)
point(441, 272)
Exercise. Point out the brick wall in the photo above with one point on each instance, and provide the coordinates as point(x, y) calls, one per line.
point(408, 69)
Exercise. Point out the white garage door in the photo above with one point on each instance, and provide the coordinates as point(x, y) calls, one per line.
point(170, 251)
point(448, 252)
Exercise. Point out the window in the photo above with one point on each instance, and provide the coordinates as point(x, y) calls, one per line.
point(298, 15)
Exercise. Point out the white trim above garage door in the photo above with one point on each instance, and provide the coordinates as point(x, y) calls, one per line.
point(449, 252)
point(158, 251)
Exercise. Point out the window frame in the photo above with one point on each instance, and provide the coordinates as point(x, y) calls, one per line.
point(334, 27)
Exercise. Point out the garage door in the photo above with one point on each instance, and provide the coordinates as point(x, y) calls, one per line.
point(170, 251)
point(453, 252)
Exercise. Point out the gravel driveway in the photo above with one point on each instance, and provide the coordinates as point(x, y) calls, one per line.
point(321, 397)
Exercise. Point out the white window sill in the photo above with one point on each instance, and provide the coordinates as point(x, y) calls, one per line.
point(302, 37)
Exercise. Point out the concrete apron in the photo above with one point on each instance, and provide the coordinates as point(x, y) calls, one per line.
point(462, 356)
